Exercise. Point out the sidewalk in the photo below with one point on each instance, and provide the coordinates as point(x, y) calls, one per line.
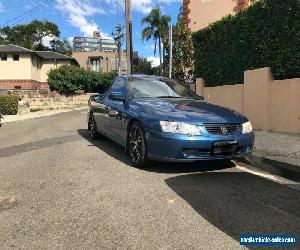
point(38, 114)
point(278, 153)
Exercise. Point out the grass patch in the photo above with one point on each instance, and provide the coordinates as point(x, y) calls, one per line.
point(35, 109)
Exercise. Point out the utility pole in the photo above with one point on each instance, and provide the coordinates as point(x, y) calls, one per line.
point(118, 39)
point(128, 36)
point(171, 50)
point(119, 45)
point(131, 47)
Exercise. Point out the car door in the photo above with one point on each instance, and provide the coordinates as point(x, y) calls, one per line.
point(116, 111)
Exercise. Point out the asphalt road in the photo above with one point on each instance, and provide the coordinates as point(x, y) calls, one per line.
point(59, 190)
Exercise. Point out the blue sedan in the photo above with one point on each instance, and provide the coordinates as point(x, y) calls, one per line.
point(156, 118)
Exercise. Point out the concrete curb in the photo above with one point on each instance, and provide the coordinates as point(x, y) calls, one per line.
point(18, 118)
point(276, 165)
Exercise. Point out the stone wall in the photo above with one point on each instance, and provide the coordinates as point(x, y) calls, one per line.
point(34, 101)
point(55, 101)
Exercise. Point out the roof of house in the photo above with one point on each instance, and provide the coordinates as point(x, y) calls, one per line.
point(52, 55)
point(43, 54)
point(13, 48)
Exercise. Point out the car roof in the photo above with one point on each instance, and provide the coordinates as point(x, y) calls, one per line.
point(142, 76)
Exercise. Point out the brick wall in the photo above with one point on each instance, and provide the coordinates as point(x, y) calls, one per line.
point(23, 84)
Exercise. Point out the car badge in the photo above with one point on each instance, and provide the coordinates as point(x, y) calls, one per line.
point(223, 130)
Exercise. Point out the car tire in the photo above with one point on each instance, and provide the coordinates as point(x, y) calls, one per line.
point(93, 128)
point(137, 146)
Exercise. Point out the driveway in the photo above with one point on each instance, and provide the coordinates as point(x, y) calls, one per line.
point(60, 190)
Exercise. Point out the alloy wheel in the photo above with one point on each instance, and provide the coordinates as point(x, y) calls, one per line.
point(136, 144)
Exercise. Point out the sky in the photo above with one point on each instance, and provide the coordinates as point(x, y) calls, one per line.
point(82, 17)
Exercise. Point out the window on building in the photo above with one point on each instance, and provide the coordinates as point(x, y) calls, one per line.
point(3, 57)
point(123, 64)
point(114, 64)
point(95, 64)
point(16, 57)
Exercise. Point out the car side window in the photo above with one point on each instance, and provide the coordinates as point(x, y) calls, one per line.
point(118, 88)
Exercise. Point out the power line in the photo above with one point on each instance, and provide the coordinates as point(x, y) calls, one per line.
point(26, 14)
point(39, 6)
point(20, 20)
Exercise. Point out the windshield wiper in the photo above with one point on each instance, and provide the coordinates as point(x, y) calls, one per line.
point(168, 96)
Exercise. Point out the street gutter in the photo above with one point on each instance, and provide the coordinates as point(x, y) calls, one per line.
point(33, 115)
point(286, 167)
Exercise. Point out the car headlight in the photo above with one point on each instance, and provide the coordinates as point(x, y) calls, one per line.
point(180, 128)
point(247, 128)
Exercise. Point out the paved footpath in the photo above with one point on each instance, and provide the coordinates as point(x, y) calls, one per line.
point(38, 114)
point(277, 153)
point(59, 190)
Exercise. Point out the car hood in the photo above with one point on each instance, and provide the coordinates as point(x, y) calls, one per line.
point(187, 110)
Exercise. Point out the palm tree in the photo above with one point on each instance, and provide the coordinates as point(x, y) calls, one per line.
point(157, 29)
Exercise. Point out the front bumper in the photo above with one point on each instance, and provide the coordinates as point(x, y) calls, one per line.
point(174, 147)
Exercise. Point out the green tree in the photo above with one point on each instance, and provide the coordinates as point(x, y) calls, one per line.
point(61, 46)
point(144, 66)
point(183, 52)
point(156, 29)
point(29, 35)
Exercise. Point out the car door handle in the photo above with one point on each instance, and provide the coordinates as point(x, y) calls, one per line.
point(113, 113)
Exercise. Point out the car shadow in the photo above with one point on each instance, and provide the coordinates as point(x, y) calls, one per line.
point(117, 152)
point(240, 203)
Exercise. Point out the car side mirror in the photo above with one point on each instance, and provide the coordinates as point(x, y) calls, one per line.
point(94, 99)
point(117, 96)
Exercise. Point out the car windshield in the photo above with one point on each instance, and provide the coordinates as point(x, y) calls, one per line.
point(159, 88)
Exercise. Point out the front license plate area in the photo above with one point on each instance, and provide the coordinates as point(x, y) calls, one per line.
point(223, 147)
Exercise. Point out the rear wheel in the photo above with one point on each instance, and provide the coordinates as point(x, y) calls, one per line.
point(93, 128)
point(137, 145)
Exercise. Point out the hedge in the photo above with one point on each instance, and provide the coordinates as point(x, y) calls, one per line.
point(69, 79)
point(266, 34)
point(9, 105)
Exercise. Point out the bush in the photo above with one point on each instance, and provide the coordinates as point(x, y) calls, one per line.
point(267, 34)
point(9, 105)
point(69, 79)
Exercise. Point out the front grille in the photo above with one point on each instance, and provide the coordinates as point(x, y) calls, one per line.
point(222, 129)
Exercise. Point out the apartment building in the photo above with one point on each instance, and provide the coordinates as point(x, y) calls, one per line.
point(198, 14)
point(95, 43)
